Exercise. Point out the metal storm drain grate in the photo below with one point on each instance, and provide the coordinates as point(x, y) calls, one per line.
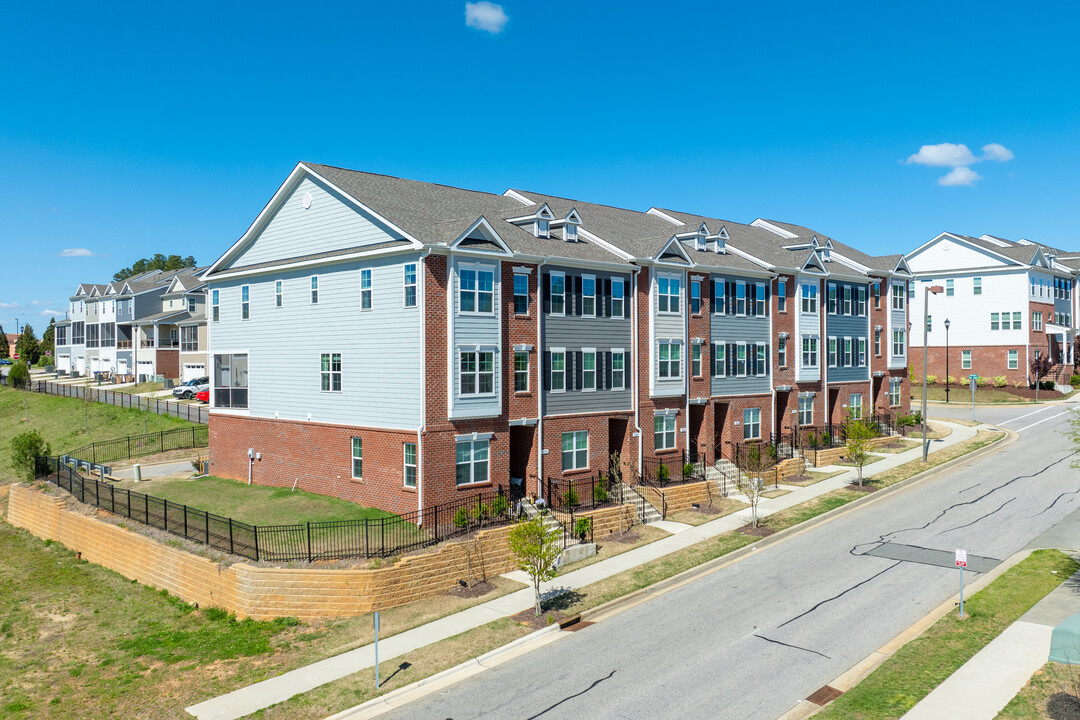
point(825, 695)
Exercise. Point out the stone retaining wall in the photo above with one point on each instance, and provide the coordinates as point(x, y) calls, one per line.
point(259, 592)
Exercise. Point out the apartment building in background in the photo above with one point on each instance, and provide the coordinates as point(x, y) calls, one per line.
point(444, 340)
point(1006, 303)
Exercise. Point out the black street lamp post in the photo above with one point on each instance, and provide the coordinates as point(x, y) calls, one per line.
point(947, 323)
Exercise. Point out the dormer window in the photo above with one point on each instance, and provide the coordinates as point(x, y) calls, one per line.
point(699, 242)
point(543, 228)
point(570, 232)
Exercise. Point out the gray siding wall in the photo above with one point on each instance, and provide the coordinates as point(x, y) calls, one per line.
point(669, 326)
point(122, 314)
point(331, 223)
point(148, 303)
point(854, 327)
point(727, 329)
point(807, 324)
point(380, 348)
point(574, 333)
point(898, 320)
point(471, 330)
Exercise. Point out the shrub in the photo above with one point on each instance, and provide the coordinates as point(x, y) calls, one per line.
point(931, 379)
point(500, 505)
point(599, 493)
point(1019, 384)
point(916, 416)
point(1074, 380)
point(982, 381)
point(19, 376)
point(1001, 381)
point(24, 448)
point(911, 373)
point(663, 474)
point(951, 380)
point(687, 470)
point(572, 498)
point(1047, 385)
point(582, 527)
point(461, 518)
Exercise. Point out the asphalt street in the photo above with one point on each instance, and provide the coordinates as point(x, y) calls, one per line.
point(755, 638)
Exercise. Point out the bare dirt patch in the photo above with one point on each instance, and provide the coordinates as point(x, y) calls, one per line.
point(759, 531)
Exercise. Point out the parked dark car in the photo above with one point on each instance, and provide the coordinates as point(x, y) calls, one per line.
point(5, 361)
point(203, 396)
point(191, 388)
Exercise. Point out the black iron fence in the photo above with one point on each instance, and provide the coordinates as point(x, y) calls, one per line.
point(330, 540)
point(576, 494)
point(670, 469)
point(160, 406)
point(133, 446)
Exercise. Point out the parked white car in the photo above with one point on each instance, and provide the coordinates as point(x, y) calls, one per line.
point(191, 388)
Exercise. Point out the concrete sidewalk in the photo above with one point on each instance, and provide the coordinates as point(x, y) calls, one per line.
point(988, 681)
point(278, 689)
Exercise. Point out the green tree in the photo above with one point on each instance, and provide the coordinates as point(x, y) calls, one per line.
point(28, 347)
point(1040, 368)
point(48, 340)
point(859, 433)
point(536, 547)
point(5, 348)
point(158, 261)
point(19, 375)
point(24, 448)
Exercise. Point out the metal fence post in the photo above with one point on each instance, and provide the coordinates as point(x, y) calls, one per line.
point(185, 521)
point(309, 541)
point(162, 437)
point(230, 534)
point(256, 543)
point(146, 508)
point(436, 523)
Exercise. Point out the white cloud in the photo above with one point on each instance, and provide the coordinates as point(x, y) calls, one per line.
point(960, 176)
point(486, 16)
point(997, 152)
point(6, 305)
point(52, 313)
point(76, 252)
point(943, 155)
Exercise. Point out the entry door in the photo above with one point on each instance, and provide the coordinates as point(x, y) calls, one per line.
point(720, 411)
point(122, 366)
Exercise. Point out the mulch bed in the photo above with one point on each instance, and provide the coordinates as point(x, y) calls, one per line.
point(474, 591)
point(625, 537)
point(759, 531)
point(891, 445)
point(1062, 706)
point(706, 509)
point(797, 479)
point(862, 488)
point(1028, 393)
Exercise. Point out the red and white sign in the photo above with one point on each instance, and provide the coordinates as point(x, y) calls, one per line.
point(961, 558)
point(15, 356)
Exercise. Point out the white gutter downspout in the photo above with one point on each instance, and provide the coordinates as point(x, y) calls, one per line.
point(688, 354)
point(540, 345)
point(634, 362)
point(423, 387)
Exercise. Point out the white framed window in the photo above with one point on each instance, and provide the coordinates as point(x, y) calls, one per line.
point(760, 308)
point(476, 289)
point(1014, 360)
point(781, 351)
point(314, 289)
point(762, 360)
point(740, 298)
point(894, 391)
point(877, 295)
point(477, 372)
point(898, 298)
point(357, 458)
point(995, 321)
point(409, 474)
point(215, 305)
point(618, 370)
point(521, 294)
point(245, 302)
point(330, 372)
point(558, 370)
point(668, 360)
point(832, 353)
point(832, 299)
point(719, 296)
point(618, 298)
point(695, 297)
point(588, 369)
point(751, 423)
point(472, 462)
point(929, 323)
point(950, 288)
point(521, 371)
point(847, 352)
point(588, 296)
point(664, 431)
point(408, 285)
point(1017, 321)
point(719, 359)
point(1036, 321)
point(877, 342)
point(575, 450)
point(976, 286)
point(668, 294)
point(278, 298)
point(190, 305)
point(365, 289)
point(848, 309)
point(855, 406)
point(781, 295)
point(810, 351)
point(861, 309)
point(806, 410)
point(543, 228)
point(558, 293)
point(809, 298)
point(571, 232)
point(695, 360)
point(862, 352)
point(898, 343)
point(965, 359)
point(740, 360)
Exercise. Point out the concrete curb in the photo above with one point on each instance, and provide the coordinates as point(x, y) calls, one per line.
point(858, 672)
point(450, 676)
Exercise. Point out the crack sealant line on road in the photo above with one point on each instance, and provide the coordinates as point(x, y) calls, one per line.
point(864, 667)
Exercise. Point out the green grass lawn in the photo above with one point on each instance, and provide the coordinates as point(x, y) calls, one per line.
point(924, 663)
point(60, 421)
point(255, 504)
point(961, 394)
point(137, 388)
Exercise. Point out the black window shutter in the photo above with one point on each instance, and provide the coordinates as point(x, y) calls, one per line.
point(579, 371)
point(626, 299)
point(627, 377)
point(606, 309)
point(730, 298)
point(729, 359)
point(607, 370)
point(768, 354)
point(712, 360)
point(577, 295)
point(751, 308)
point(768, 306)
point(600, 376)
point(751, 360)
point(547, 369)
point(547, 293)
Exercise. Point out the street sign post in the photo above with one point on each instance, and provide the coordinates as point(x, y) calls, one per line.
point(961, 562)
point(973, 379)
point(15, 356)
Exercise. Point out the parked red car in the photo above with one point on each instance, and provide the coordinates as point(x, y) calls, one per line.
point(204, 396)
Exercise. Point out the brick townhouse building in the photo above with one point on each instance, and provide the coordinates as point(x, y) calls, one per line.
point(441, 341)
point(1006, 303)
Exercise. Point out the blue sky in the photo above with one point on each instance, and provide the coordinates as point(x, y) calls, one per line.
point(134, 128)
